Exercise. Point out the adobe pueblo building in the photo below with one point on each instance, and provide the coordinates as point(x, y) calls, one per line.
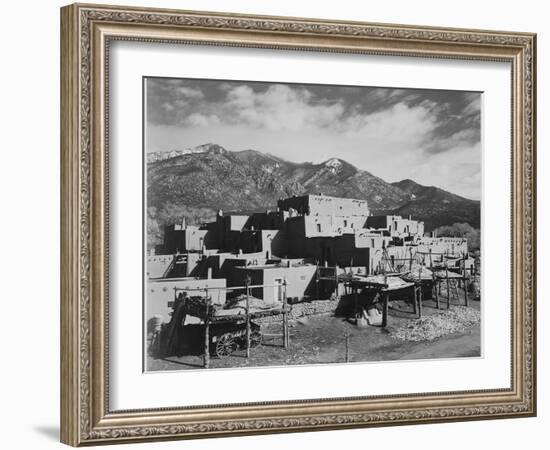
point(306, 250)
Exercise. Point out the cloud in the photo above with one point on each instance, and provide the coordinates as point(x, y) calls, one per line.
point(431, 136)
point(400, 122)
point(280, 108)
point(458, 170)
point(190, 92)
point(200, 120)
point(462, 138)
point(473, 107)
point(240, 97)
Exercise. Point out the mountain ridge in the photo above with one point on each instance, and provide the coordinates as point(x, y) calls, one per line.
point(198, 181)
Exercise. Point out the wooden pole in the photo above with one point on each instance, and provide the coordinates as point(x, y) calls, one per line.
point(355, 305)
point(437, 302)
point(466, 302)
point(285, 318)
point(317, 282)
point(448, 287)
point(336, 280)
point(420, 292)
point(415, 310)
point(347, 347)
point(247, 319)
point(207, 333)
point(420, 301)
point(385, 311)
point(184, 306)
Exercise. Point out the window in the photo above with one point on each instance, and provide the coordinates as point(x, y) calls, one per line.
point(318, 228)
point(345, 223)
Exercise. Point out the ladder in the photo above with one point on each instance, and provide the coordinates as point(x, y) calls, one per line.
point(386, 261)
point(454, 289)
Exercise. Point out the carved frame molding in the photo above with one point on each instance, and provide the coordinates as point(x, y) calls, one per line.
point(86, 31)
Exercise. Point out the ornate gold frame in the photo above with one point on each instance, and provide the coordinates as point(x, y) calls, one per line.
point(86, 31)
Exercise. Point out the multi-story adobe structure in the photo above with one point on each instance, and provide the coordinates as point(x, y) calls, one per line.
point(290, 243)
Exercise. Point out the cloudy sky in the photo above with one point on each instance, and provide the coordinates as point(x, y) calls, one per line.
point(432, 137)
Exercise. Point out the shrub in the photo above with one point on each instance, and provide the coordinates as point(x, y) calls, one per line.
point(464, 230)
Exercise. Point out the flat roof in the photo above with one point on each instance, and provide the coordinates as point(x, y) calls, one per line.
point(185, 279)
point(324, 196)
point(273, 266)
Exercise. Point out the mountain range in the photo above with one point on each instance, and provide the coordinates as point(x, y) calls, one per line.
point(197, 182)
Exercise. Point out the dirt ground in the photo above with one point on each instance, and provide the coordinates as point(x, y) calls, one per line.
point(322, 339)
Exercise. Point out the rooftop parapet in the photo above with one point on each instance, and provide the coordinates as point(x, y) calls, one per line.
point(325, 205)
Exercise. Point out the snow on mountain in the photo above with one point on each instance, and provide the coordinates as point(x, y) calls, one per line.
point(204, 148)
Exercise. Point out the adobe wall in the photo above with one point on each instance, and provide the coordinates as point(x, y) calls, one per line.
point(188, 239)
point(325, 205)
point(300, 281)
point(160, 293)
point(157, 265)
point(444, 245)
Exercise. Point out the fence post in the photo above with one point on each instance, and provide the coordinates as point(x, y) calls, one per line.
point(247, 284)
point(385, 310)
point(336, 280)
point(448, 287)
point(420, 292)
point(415, 309)
point(435, 282)
point(347, 347)
point(207, 333)
point(317, 282)
point(285, 317)
point(466, 302)
point(385, 303)
point(355, 305)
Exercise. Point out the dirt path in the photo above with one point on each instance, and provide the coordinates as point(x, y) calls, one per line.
point(460, 345)
point(322, 339)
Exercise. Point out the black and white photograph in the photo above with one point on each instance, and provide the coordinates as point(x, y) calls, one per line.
point(275, 225)
point(289, 224)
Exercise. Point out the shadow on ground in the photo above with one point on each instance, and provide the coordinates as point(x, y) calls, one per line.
point(49, 431)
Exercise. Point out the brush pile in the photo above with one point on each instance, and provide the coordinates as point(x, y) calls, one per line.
point(196, 306)
point(455, 320)
point(253, 303)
